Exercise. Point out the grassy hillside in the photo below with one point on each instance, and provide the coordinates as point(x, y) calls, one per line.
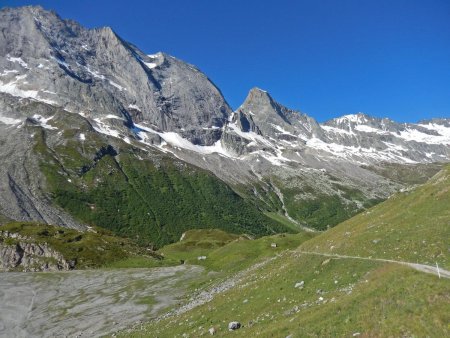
point(149, 197)
point(91, 249)
point(228, 252)
point(412, 226)
point(195, 243)
point(340, 297)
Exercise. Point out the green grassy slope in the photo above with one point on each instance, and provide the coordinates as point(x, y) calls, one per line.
point(411, 226)
point(195, 243)
point(227, 252)
point(241, 254)
point(342, 297)
point(91, 249)
point(149, 197)
point(305, 204)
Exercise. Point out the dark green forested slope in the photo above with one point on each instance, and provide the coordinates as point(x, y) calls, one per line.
point(149, 197)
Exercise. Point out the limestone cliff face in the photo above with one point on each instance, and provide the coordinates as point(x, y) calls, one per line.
point(18, 253)
point(97, 73)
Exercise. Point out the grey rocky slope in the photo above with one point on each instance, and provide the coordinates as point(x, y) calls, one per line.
point(22, 184)
point(281, 159)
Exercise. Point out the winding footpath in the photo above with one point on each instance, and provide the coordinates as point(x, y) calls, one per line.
point(441, 273)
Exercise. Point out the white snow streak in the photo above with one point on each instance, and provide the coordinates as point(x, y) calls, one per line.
point(17, 60)
point(43, 121)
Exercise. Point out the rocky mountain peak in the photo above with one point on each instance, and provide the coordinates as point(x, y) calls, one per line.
point(273, 118)
point(258, 97)
point(97, 73)
point(258, 102)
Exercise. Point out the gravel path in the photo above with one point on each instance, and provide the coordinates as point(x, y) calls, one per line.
point(420, 267)
point(87, 303)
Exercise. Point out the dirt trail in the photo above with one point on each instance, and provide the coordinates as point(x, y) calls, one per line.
point(420, 267)
point(87, 303)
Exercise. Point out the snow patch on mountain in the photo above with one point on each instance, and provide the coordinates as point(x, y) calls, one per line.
point(368, 129)
point(357, 154)
point(281, 130)
point(95, 73)
point(150, 65)
point(6, 72)
point(9, 120)
point(43, 122)
point(15, 88)
point(337, 130)
point(133, 106)
point(17, 60)
point(250, 135)
point(355, 118)
point(118, 86)
point(410, 134)
point(104, 128)
point(176, 140)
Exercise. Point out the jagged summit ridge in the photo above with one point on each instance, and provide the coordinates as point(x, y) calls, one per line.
point(357, 137)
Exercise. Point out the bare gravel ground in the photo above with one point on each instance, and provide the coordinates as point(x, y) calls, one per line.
point(87, 303)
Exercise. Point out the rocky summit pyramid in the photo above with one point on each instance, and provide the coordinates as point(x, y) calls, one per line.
point(82, 110)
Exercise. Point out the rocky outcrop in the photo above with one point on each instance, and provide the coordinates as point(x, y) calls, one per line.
point(18, 253)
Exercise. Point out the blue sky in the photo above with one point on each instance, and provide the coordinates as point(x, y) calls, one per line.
point(326, 58)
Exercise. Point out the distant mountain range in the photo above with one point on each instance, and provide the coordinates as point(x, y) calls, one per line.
point(95, 131)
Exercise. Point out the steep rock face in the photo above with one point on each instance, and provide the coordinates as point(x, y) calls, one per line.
point(23, 192)
point(96, 73)
point(275, 120)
